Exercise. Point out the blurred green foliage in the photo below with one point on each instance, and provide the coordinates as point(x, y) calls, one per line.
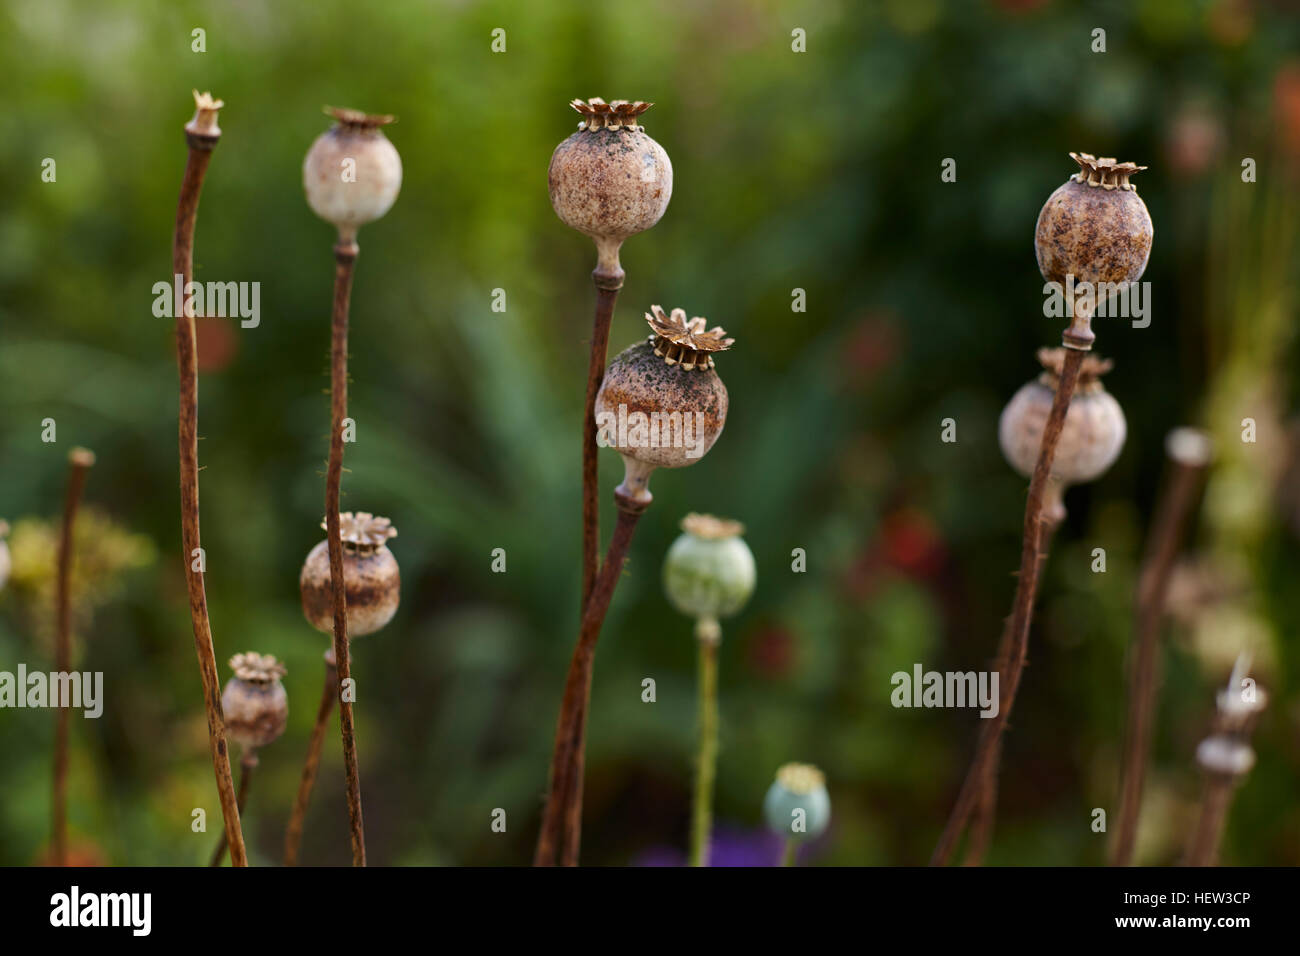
point(818, 171)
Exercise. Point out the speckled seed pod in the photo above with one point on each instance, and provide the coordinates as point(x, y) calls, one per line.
point(709, 572)
point(352, 173)
point(662, 404)
point(1094, 429)
point(798, 787)
point(254, 702)
point(370, 575)
point(609, 180)
point(1096, 228)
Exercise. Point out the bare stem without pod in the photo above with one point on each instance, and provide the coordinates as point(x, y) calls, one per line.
point(345, 255)
point(561, 832)
point(202, 135)
point(79, 462)
point(329, 693)
point(607, 286)
point(1189, 457)
point(247, 764)
point(990, 736)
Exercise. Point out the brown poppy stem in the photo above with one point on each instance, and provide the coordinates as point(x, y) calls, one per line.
point(329, 693)
point(79, 462)
point(981, 829)
point(1153, 586)
point(607, 286)
point(202, 135)
point(1021, 614)
point(345, 255)
point(247, 763)
point(561, 831)
point(1203, 849)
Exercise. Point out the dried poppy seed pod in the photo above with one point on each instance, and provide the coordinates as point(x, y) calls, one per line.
point(609, 180)
point(797, 805)
point(254, 702)
point(1094, 429)
point(371, 579)
point(709, 572)
point(662, 404)
point(352, 173)
point(1097, 229)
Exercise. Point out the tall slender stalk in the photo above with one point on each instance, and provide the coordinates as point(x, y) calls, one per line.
point(1166, 537)
point(607, 285)
point(329, 693)
point(986, 804)
point(1203, 848)
point(990, 736)
point(708, 635)
point(202, 135)
point(561, 831)
point(79, 462)
point(345, 255)
point(247, 764)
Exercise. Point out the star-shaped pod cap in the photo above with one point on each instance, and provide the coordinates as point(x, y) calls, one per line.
point(1105, 172)
point(254, 668)
point(362, 531)
point(678, 340)
point(619, 114)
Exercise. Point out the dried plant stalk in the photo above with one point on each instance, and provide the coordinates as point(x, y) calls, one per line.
point(561, 831)
point(247, 764)
point(345, 255)
point(202, 135)
point(79, 462)
point(990, 736)
point(330, 692)
point(1166, 537)
point(607, 287)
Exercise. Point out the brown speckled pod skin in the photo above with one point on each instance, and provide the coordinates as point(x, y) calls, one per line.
point(256, 713)
point(1096, 234)
point(1091, 439)
point(644, 382)
point(373, 589)
point(610, 184)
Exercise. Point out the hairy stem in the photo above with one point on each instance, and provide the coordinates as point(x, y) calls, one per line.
point(329, 693)
point(202, 137)
point(708, 635)
point(247, 764)
point(607, 287)
point(1153, 587)
point(561, 831)
point(1021, 613)
point(345, 255)
point(986, 804)
point(79, 461)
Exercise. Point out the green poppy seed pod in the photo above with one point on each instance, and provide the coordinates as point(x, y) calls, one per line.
point(709, 572)
point(371, 578)
point(352, 173)
point(254, 702)
point(662, 404)
point(609, 180)
point(1094, 429)
point(797, 805)
point(1097, 229)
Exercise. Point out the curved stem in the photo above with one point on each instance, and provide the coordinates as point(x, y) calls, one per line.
point(329, 693)
point(345, 255)
point(246, 765)
point(562, 819)
point(607, 287)
point(706, 760)
point(79, 461)
point(1021, 613)
point(1166, 536)
point(202, 137)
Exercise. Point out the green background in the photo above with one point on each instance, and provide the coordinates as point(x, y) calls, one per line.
point(817, 170)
